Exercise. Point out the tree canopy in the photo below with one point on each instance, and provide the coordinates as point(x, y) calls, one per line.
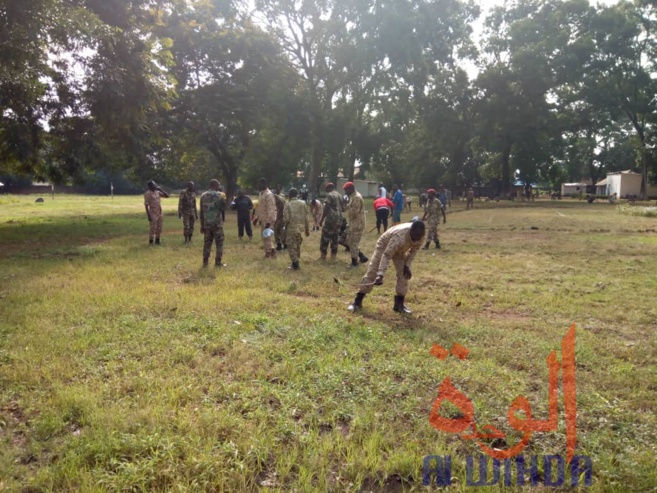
point(300, 91)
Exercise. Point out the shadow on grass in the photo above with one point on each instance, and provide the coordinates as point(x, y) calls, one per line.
point(61, 237)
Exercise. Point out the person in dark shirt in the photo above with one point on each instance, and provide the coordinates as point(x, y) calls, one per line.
point(243, 205)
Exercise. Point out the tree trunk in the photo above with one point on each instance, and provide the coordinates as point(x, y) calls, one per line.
point(315, 161)
point(645, 161)
point(506, 171)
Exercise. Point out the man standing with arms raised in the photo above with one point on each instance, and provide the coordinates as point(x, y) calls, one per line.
point(356, 220)
point(266, 216)
point(213, 208)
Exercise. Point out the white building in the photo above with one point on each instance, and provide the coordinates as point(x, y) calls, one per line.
point(573, 189)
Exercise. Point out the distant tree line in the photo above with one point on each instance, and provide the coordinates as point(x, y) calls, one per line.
point(302, 90)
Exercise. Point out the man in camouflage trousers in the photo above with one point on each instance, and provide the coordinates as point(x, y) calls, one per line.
point(432, 212)
point(356, 220)
point(213, 208)
point(398, 245)
point(295, 219)
point(154, 211)
point(279, 231)
point(187, 210)
point(266, 215)
point(331, 221)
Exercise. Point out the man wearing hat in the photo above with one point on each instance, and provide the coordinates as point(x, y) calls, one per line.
point(330, 222)
point(356, 220)
point(398, 245)
point(432, 212)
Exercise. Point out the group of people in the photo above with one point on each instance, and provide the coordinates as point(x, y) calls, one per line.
point(284, 223)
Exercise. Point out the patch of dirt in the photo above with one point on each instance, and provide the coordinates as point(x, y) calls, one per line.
point(392, 484)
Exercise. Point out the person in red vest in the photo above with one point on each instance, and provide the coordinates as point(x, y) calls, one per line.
point(382, 208)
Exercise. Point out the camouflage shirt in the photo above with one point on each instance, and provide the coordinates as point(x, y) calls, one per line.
point(295, 216)
point(434, 210)
point(280, 205)
point(186, 202)
point(266, 208)
point(212, 206)
point(152, 201)
point(356, 212)
point(333, 207)
point(396, 243)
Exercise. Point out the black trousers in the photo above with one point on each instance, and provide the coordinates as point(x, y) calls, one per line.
point(242, 223)
point(382, 218)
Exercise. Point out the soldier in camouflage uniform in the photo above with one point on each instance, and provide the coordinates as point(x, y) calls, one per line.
point(330, 222)
point(279, 233)
point(432, 211)
point(356, 219)
point(213, 208)
point(398, 245)
point(266, 215)
point(154, 211)
point(295, 219)
point(187, 210)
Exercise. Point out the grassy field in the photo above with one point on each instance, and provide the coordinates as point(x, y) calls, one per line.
point(125, 367)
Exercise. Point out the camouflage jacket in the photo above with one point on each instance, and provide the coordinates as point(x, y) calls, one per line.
point(356, 212)
point(295, 216)
point(333, 207)
point(152, 201)
point(212, 207)
point(396, 243)
point(186, 203)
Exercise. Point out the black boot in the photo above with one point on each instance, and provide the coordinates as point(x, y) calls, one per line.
point(279, 247)
point(205, 262)
point(190, 238)
point(354, 262)
point(357, 304)
point(426, 245)
point(295, 265)
point(362, 257)
point(150, 241)
point(399, 305)
point(437, 244)
point(157, 241)
point(218, 263)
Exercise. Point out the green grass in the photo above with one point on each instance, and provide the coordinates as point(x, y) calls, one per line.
point(125, 367)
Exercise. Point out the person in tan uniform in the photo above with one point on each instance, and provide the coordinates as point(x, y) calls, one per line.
point(469, 199)
point(266, 216)
point(295, 219)
point(316, 210)
point(356, 218)
point(398, 245)
point(154, 211)
point(432, 212)
point(187, 210)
